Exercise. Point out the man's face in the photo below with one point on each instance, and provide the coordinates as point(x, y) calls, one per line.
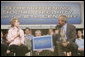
point(61, 21)
point(27, 31)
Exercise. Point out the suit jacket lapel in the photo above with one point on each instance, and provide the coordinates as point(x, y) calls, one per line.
point(67, 30)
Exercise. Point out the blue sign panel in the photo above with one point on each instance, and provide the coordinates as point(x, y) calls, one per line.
point(40, 12)
point(43, 42)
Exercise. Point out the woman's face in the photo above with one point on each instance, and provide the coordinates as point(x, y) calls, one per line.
point(1, 35)
point(37, 34)
point(16, 23)
point(80, 34)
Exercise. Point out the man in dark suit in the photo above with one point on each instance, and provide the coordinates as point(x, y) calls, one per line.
point(69, 33)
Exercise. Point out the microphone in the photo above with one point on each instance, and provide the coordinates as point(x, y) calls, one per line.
point(58, 27)
point(18, 31)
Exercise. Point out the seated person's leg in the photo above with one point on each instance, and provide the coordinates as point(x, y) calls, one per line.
point(80, 53)
point(21, 50)
point(3, 49)
point(74, 49)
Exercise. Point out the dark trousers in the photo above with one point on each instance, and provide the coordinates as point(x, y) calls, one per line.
point(80, 53)
point(3, 49)
point(74, 49)
point(18, 50)
point(70, 47)
point(46, 53)
point(43, 53)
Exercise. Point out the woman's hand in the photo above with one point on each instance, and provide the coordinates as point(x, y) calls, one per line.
point(8, 51)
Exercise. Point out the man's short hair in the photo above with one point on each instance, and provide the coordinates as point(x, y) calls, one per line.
point(27, 28)
point(64, 17)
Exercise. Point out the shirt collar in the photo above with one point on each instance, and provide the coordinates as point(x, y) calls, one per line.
point(65, 25)
point(15, 28)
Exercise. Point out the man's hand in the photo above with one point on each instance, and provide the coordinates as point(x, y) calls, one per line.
point(56, 31)
point(52, 50)
point(81, 49)
point(39, 51)
point(65, 44)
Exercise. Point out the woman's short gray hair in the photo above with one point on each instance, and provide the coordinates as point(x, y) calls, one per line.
point(37, 31)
